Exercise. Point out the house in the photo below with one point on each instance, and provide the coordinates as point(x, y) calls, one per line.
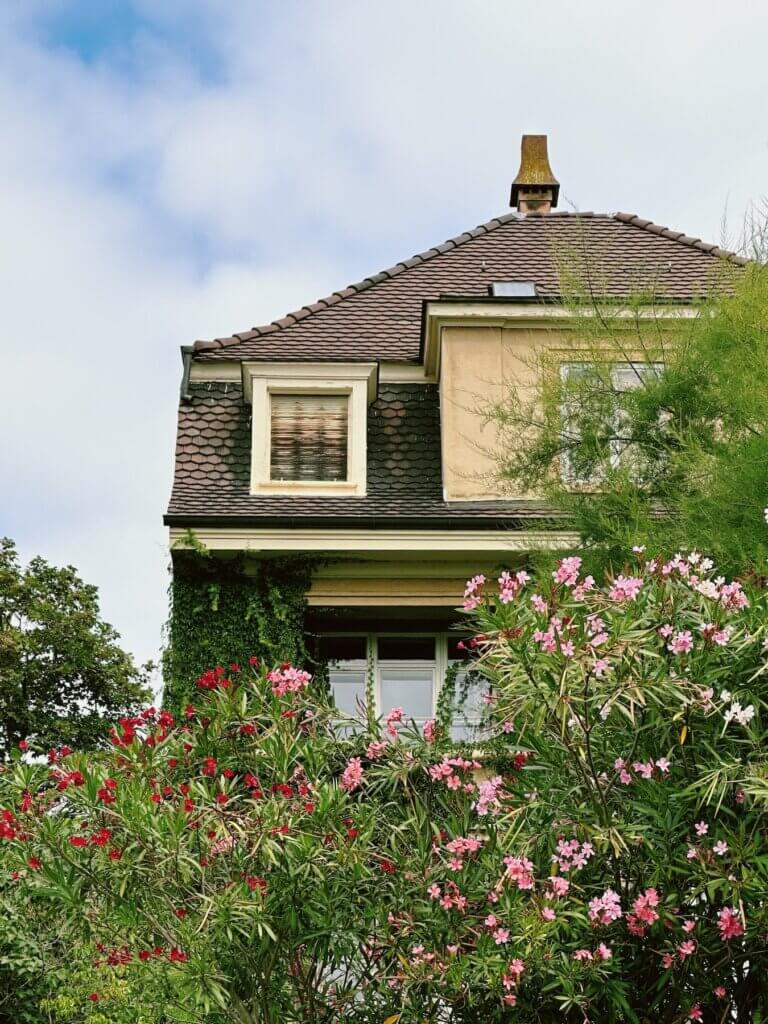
point(349, 431)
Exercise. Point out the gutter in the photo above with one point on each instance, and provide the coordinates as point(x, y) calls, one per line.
point(187, 351)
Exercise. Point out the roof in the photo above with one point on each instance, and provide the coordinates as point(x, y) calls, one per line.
point(379, 318)
point(212, 481)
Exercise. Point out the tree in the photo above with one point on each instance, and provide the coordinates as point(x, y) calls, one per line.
point(62, 673)
point(599, 854)
point(659, 432)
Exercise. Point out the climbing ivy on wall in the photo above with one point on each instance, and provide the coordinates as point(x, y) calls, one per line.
point(219, 614)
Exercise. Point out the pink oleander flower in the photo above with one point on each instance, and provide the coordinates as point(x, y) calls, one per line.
point(720, 848)
point(695, 1013)
point(567, 571)
point(606, 908)
point(376, 749)
point(681, 643)
point(644, 769)
point(624, 777)
point(692, 853)
point(729, 923)
point(520, 871)
point(455, 864)
point(511, 585)
point(625, 588)
point(488, 801)
point(500, 936)
point(720, 992)
point(701, 828)
point(473, 593)
point(539, 604)
point(688, 926)
point(548, 914)
point(583, 954)
point(429, 731)
point(434, 892)
point(604, 952)
point(352, 776)
point(391, 719)
point(667, 961)
point(686, 949)
point(288, 680)
point(559, 886)
point(662, 763)
point(599, 667)
point(644, 907)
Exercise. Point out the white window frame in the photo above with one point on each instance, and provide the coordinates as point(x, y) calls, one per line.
point(262, 380)
point(637, 367)
point(439, 665)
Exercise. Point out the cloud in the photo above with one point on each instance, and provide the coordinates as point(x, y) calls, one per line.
point(209, 166)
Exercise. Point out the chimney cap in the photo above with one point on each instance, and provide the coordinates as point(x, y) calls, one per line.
point(535, 172)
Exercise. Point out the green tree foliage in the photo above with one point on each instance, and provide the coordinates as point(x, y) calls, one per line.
point(62, 673)
point(262, 859)
point(677, 458)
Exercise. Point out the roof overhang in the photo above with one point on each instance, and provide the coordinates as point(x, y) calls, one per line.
point(319, 374)
point(266, 540)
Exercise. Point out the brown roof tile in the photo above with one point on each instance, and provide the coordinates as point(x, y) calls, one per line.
point(380, 317)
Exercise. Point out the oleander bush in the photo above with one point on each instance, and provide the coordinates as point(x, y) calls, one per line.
point(598, 854)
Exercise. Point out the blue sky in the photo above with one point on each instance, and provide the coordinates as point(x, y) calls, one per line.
point(177, 169)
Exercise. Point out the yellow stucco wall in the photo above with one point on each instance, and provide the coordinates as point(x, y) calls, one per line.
point(478, 366)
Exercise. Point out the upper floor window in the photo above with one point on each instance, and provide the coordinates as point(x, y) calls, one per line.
point(308, 437)
point(593, 419)
point(309, 427)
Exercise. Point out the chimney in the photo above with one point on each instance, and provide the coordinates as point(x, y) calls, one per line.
point(535, 189)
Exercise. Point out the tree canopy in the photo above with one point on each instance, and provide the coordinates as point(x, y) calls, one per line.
point(63, 673)
point(657, 430)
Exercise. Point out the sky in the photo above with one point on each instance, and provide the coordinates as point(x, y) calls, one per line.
point(180, 169)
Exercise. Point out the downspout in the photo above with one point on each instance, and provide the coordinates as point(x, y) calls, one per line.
point(186, 356)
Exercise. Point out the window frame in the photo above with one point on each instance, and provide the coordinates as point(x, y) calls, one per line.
point(357, 380)
point(439, 666)
point(567, 474)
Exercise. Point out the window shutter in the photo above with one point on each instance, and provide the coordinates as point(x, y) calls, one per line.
point(308, 437)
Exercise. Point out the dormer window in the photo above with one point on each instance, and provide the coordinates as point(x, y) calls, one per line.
point(308, 437)
point(309, 426)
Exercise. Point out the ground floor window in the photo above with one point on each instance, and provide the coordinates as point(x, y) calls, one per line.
point(406, 671)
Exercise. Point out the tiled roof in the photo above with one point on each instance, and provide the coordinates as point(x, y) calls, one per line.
point(404, 468)
point(380, 317)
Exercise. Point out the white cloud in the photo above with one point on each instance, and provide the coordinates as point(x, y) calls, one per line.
point(145, 204)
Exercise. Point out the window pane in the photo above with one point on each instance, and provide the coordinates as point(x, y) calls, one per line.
point(343, 648)
point(348, 690)
point(470, 690)
point(308, 437)
point(410, 689)
point(406, 648)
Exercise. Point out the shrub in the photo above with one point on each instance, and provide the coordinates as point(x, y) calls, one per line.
point(598, 855)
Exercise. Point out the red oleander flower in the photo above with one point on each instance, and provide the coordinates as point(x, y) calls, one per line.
point(209, 766)
point(115, 854)
point(387, 866)
point(177, 956)
point(23, 745)
point(78, 841)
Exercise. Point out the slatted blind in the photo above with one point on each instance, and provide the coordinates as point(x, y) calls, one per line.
point(308, 437)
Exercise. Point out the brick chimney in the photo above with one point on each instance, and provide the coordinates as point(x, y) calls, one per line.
point(535, 189)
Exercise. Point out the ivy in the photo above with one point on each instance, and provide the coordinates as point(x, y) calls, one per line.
point(219, 614)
